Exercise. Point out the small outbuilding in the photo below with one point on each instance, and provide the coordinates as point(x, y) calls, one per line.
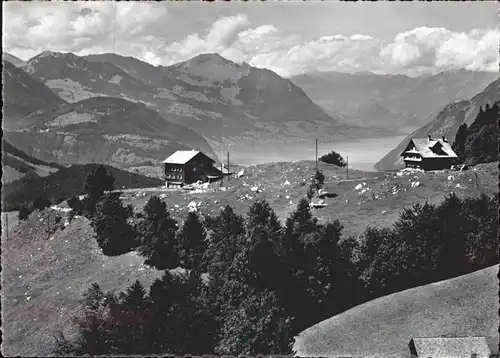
point(187, 167)
point(429, 154)
point(446, 347)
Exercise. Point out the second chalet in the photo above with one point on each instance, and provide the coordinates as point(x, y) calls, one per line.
point(429, 154)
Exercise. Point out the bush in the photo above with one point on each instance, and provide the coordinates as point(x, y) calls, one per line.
point(310, 191)
point(114, 235)
point(24, 212)
point(257, 327)
point(333, 158)
point(76, 205)
point(41, 203)
point(320, 178)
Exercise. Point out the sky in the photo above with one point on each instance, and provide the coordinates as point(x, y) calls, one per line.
point(288, 37)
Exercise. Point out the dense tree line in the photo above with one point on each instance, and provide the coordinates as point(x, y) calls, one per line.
point(251, 283)
point(429, 243)
point(479, 142)
point(65, 183)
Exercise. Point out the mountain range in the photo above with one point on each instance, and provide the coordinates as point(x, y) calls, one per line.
point(446, 123)
point(71, 109)
point(24, 94)
point(390, 101)
point(125, 112)
point(17, 165)
point(208, 93)
point(16, 61)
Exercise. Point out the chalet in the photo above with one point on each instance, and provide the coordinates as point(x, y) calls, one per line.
point(429, 154)
point(189, 166)
point(456, 347)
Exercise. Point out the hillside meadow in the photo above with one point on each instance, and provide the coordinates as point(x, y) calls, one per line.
point(46, 273)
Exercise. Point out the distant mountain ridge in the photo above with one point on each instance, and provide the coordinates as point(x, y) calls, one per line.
point(391, 100)
point(16, 164)
point(103, 130)
point(24, 94)
point(215, 97)
point(446, 123)
point(107, 129)
point(16, 61)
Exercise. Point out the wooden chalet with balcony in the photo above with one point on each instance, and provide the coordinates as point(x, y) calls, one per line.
point(187, 167)
point(429, 154)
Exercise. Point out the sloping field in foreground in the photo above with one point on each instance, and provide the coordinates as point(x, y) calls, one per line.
point(44, 276)
point(462, 306)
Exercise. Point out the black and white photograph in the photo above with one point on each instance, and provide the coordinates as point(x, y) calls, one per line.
point(250, 178)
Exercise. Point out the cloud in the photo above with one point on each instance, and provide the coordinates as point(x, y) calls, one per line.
point(79, 27)
point(360, 37)
point(221, 36)
point(144, 30)
point(441, 49)
point(420, 50)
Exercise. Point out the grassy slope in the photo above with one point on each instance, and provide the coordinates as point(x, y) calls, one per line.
point(462, 306)
point(54, 272)
point(379, 206)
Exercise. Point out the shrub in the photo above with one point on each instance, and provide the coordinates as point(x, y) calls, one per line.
point(310, 191)
point(333, 158)
point(320, 178)
point(259, 326)
point(24, 212)
point(41, 203)
point(76, 205)
point(114, 235)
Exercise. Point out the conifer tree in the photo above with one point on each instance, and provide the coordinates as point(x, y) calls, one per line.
point(192, 241)
point(157, 234)
point(114, 234)
point(98, 181)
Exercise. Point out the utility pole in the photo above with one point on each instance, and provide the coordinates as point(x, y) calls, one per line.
point(6, 226)
point(48, 225)
point(221, 155)
point(222, 172)
point(347, 167)
point(228, 176)
point(316, 154)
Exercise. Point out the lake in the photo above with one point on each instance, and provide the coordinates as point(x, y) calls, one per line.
point(363, 154)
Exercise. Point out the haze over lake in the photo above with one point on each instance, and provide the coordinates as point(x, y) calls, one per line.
point(362, 153)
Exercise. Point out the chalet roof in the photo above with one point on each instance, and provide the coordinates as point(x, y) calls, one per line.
point(425, 147)
point(412, 151)
point(224, 170)
point(182, 156)
point(456, 347)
